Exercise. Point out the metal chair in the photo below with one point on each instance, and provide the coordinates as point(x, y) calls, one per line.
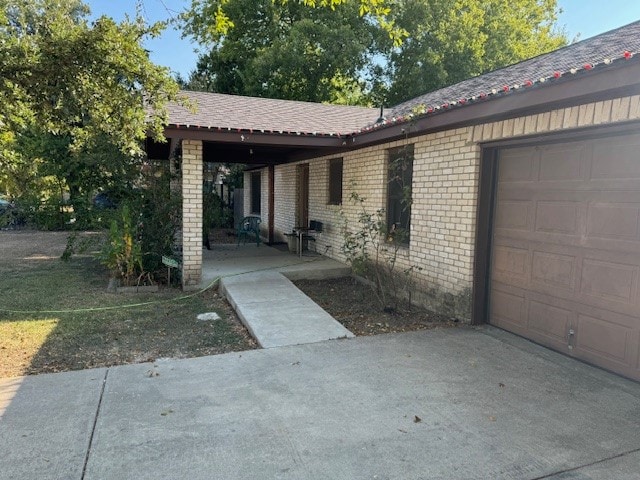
point(249, 226)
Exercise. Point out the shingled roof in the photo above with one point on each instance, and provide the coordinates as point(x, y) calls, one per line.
point(580, 56)
point(234, 112)
point(238, 113)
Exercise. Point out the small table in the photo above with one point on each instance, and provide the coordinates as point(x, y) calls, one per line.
point(302, 232)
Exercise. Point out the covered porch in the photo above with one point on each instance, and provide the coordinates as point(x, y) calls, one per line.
point(228, 260)
point(260, 133)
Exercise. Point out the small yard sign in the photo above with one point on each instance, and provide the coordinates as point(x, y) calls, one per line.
point(170, 262)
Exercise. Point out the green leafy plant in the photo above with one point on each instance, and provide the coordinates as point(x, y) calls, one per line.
point(372, 250)
point(122, 253)
point(160, 214)
point(140, 232)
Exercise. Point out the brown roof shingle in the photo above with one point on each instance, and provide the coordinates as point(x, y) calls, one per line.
point(219, 111)
point(230, 112)
point(608, 45)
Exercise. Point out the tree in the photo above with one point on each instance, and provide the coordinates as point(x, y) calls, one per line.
point(271, 48)
point(78, 99)
point(452, 40)
point(220, 23)
point(71, 78)
point(283, 50)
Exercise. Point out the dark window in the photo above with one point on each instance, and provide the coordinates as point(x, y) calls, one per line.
point(335, 181)
point(256, 192)
point(400, 173)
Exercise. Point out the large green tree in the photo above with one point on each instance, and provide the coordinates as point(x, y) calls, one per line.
point(282, 50)
point(345, 54)
point(78, 97)
point(451, 40)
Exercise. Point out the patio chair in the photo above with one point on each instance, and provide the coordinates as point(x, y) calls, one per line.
point(249, 227)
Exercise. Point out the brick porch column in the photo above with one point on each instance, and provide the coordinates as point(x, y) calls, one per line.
point(191, 214)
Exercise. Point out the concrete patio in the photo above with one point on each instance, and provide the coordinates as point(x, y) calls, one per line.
point(224, 260)
point(445, 404)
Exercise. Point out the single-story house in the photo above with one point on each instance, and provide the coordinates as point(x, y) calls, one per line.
point(525, 187)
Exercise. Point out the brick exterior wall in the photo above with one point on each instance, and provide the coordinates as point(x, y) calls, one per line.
point(445, 190)
point(285, 199)
point(191, 214)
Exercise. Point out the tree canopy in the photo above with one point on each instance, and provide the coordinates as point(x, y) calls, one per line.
point(78, 98)
point(72, 77)
point(452, 40)
point(220, 22)
point(343, 53)
point(282, 50)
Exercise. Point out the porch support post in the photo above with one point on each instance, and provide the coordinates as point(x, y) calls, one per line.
point(191, 214)
point(271, 204)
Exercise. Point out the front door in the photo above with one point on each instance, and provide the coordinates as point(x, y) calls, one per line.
point(302, 214)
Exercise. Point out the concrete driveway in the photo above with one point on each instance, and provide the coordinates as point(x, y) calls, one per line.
point(446, 404)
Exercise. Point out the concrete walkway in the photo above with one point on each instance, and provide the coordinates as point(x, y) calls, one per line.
point(277, 313)
point(256, 282)
point(445, 404)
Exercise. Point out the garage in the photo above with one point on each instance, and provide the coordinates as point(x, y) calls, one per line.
point(565, 248)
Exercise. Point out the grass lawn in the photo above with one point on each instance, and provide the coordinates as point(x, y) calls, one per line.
point(76, 332)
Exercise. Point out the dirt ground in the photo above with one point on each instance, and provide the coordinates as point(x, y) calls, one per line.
point(354, 305)
point(17, 245)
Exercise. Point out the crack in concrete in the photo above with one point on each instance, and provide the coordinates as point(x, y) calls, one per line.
point(613, 457)
point(93, 428)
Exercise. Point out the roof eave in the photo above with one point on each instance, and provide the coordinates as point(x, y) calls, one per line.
point(256, 138)
point(604, 83)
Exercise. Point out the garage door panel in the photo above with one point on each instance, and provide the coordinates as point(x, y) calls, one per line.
point(561, 163)
point(636, 345)
point(557, 217)
point(613, 159)
point(519, 167)
point(549, 321)
point(514, 215)
point(618, 221)
point(511, 262)
point(507, 309)
point(554, 269)
point(566, 249)
point(606, 341)
point(609, 281)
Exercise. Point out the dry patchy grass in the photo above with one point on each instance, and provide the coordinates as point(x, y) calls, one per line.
point(57, 316)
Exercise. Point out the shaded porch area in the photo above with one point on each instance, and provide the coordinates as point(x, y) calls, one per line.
point(224, 260)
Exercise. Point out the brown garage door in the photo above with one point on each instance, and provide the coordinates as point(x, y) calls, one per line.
point(566, 249)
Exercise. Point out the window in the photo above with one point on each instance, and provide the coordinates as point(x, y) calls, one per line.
point(256, 192)
point(335, 181)
point(400, 176)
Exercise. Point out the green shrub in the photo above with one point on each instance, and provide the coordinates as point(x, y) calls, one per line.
point(371, 248)
point(122, 253)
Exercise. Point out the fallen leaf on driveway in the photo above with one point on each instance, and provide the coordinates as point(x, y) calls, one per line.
point(416, 419)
